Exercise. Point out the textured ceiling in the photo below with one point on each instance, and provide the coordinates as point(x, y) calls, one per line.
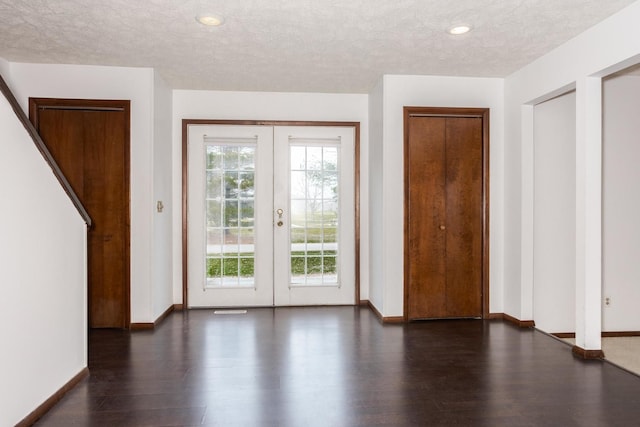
point(294, 45)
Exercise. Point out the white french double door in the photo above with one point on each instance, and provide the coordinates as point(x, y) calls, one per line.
point(271, 215)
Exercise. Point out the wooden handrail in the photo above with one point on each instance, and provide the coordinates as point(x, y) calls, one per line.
point(44, 151)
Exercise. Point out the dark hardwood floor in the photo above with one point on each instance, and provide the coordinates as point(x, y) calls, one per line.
point(341, 367)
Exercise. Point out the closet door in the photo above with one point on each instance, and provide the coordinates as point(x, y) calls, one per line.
point(444, 217)
point(89, 140)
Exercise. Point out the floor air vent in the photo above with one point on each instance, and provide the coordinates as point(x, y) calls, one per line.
point(230, 312)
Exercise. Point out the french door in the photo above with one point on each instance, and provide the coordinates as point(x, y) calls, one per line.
point(271, 215)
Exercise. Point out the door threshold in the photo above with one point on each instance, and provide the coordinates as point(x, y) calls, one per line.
point(230, 312)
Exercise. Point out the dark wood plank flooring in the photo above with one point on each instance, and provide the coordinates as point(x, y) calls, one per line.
point(341, 367)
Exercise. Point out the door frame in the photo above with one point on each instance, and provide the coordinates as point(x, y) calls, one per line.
point(185, 184)
point(38, 104)
point(482, 113)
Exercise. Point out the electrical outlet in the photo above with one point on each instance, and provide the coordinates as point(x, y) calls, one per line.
point(607, 301)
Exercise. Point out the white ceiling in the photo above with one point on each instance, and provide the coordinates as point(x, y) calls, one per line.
point(294, 45)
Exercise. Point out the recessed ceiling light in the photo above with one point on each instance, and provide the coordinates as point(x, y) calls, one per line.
point(459, 29)
point(210, 19)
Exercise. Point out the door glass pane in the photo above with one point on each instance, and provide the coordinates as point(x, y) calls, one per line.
point(230, 193)
point(214, 185)
point(314, 207)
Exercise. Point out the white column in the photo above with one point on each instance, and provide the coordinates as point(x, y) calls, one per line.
point(526, 186)
point(588, 213)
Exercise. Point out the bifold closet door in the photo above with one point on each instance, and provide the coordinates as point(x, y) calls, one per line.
point(445, 218)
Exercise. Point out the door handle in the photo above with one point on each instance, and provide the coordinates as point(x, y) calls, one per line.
point(280, 212)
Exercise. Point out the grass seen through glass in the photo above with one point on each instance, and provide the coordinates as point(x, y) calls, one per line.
point(243, 265)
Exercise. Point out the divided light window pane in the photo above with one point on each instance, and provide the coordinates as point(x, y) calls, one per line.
point(230, 205)
point(314, 207)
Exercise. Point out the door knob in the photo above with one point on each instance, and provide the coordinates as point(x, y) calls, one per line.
point(442, 227)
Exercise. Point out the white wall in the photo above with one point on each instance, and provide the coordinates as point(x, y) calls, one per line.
point(621, 203)
point(5, 71)
point(605, 48)
point(268, 106)
point(554, 219)
point(162, 271)
point(400, 91)
point(376, 199)
point(137, 85)
point(42, 276)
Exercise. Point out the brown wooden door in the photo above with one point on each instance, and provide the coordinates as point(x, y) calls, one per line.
point(444, 217)
point(90, 142)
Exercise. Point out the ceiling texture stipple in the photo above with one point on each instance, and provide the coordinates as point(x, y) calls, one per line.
point(295, 45)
